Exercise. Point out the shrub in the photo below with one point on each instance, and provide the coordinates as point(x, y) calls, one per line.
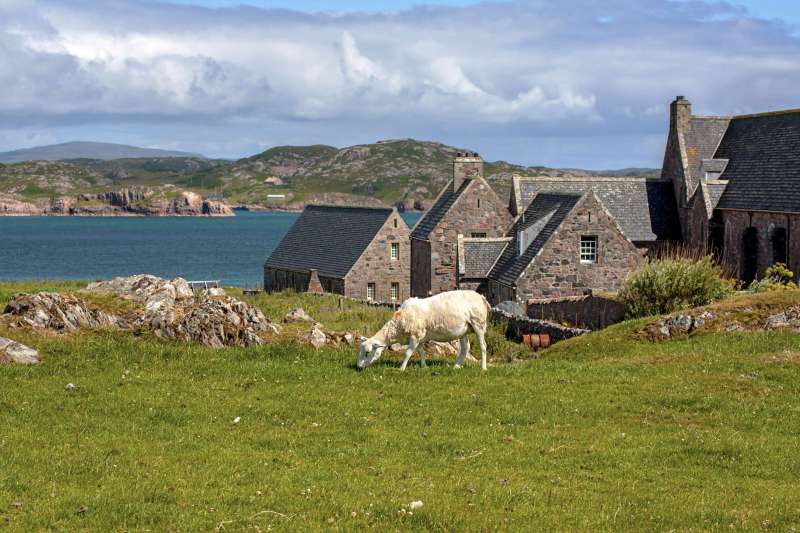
point(667, 285)
point(777, 277)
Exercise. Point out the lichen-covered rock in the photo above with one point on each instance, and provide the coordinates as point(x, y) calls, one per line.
point(151, 291)
point(297, 314)
point(12, 352)
point(56, 312)
point(216, 322)
point(317, 338)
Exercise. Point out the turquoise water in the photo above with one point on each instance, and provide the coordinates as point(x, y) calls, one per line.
point(230, 249)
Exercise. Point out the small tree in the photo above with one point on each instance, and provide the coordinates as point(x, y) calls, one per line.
point(668, 285)
point(777, 277)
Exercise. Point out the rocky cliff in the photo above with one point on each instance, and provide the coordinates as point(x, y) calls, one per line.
point(123, 202)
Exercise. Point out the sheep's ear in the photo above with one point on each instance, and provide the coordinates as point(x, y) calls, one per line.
point(396, 314)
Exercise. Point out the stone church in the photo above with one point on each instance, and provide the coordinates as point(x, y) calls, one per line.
point(730, 185)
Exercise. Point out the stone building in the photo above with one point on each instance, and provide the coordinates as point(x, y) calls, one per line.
point(737, 183)
point(467, 206)
point(354, 251)
point(564, 244)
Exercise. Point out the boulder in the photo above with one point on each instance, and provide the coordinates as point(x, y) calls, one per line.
point(151, 291)
point(12, 352)
point(317, 338)
point(56, 312)
point(674, 325)
point(297, 314)
point(214, 291)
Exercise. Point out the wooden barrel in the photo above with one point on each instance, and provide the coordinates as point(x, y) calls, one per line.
point(535, 341)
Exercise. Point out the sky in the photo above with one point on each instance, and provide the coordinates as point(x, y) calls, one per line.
point(563, 83)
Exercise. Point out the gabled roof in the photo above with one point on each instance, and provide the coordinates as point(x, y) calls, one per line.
point(438, 210)
point(702, 138)
point(763, 170)
point(645, 209)
point(715, 189)
point(539, 221)
point(328, 239)
point(477, 256)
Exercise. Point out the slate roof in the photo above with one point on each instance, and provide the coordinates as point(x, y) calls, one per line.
point(715, 190)
point(480, 255)
point(544, 215)
point(438, 210)
point(763, 171)
point(644, 209)
point(701, 140)
point(328, 239)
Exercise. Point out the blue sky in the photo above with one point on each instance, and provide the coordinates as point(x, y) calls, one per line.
point(569, 83)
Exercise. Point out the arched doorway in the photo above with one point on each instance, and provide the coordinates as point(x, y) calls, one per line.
point(749, 254)
point(779, 245)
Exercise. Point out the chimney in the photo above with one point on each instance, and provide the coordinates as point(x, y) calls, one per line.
point(466, 167)
point(680, 111)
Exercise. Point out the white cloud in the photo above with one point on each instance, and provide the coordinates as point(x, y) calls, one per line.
point(512, 71)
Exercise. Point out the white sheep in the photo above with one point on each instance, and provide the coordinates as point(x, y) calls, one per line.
point(443, 317)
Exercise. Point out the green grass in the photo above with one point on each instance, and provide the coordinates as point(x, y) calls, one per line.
point(601, 433)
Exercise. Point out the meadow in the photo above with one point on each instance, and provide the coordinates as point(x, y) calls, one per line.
point(602, 432)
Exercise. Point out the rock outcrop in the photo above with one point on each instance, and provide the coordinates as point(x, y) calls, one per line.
point(56, 312)
point(14, 207)
point(172, 311)
point(12, 352)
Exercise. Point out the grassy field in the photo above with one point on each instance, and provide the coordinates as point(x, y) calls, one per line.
point(602, 432)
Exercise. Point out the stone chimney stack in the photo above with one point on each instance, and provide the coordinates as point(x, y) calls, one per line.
point(680, 111)
point(466, 166)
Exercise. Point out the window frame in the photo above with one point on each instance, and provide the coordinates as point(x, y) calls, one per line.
point(478, 235)
point(371, 289)
point(394, 251)
point(394, 291)
point(589, 250)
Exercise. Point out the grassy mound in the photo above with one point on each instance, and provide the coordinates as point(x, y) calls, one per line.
point(602, 432)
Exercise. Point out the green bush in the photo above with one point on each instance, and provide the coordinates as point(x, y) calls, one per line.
point(778, 277)
point(667, 285)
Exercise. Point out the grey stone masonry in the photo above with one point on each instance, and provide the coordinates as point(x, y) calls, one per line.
point(478, 211)
point(377, 265)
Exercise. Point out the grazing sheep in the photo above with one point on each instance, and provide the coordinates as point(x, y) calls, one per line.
point(444, 317)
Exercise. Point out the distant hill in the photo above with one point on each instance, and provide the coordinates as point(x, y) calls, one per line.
point(405, 171)
point(86, 150)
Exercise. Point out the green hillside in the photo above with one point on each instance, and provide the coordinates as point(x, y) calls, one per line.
point(386, 172)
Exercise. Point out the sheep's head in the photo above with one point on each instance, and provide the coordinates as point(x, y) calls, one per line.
point(369, 351)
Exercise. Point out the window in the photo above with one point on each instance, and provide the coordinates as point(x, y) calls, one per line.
point(479, 203)
point(395, 291)
point(395, 223)
point(588, 249)
point(478, 235)
point(370, 291)
point(394, 251)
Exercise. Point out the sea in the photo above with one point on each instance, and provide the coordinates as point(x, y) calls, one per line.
point(229, 249)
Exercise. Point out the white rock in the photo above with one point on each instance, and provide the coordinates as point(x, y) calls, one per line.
point(69, 386)
point(416, 504)
point(14, 352)
point(317, 338)
point(237, 419)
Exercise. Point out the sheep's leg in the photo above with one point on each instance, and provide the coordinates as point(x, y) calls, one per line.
point(463, 351)
point(412, 345)
point(482, 340)
point(421, 352)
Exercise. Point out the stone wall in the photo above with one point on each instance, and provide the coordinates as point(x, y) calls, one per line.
point(376, 265)
point(477, 210)
point(765, 224)
point(675, 162)
point(587, 312)
point(519, 326)
point(557, 270)
point(276, 280)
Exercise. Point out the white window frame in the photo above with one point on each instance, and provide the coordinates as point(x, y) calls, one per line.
point(478, 234)
point(395, 291)
point(371, 291)
point(394, 251)
point(588, 249)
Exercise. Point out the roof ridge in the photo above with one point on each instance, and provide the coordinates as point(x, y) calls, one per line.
point(769, 113)
point(486, 239)
point(350, 207)
point(593, 178)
